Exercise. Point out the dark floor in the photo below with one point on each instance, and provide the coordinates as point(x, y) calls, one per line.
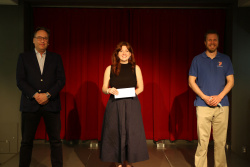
point(176, 154)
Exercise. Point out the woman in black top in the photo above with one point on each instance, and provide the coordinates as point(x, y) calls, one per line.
point(123, 138)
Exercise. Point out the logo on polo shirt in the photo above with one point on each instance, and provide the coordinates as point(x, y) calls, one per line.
point(219, 64)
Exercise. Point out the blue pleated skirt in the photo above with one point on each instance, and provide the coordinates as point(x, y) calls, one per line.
point(123, 136)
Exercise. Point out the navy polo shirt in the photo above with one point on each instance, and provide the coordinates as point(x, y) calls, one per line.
point(211, 75)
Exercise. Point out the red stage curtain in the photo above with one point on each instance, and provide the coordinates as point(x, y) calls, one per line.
point(164, 41)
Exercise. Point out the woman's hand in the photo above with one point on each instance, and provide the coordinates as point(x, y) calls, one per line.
point(112, 91)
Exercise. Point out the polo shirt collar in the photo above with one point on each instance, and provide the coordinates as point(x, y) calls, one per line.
point(205, 55)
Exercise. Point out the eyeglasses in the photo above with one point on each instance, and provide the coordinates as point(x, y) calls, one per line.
point(39, 38)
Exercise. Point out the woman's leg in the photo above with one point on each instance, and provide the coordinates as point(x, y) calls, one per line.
point(127, 164)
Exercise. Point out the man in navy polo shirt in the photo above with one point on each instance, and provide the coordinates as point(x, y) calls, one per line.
point(211, 78)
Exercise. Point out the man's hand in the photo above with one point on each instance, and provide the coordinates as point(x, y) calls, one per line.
point(207, 100)
point(41, 98)
point(215, 100)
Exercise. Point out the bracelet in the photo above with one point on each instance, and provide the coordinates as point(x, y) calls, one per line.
point(108, 91)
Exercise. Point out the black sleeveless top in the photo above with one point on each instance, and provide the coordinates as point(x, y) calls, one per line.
point(126, 78)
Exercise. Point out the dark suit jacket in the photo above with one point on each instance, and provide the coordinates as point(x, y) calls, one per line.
point(30, 80)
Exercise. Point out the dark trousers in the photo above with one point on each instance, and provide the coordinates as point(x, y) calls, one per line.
point(30, 121)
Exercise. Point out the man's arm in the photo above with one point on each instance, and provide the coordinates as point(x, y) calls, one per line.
point(192, 84)
point(217, 98)
point(21, 80)
point(60, 79)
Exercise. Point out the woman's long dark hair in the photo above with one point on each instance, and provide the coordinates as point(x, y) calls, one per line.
point(116, 65)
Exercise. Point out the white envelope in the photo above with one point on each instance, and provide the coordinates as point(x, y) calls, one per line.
point(125, 92)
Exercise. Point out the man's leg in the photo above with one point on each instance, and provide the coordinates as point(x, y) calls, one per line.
point(204, 118)
point(30, 121)
point(220, 124)
point(53, 128)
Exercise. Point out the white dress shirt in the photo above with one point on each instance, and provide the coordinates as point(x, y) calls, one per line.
point(40, 59)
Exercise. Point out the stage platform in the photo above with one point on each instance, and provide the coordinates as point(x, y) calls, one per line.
point(79, 154)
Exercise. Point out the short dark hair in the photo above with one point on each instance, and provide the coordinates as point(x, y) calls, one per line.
point(42, 28)
point(210, 32)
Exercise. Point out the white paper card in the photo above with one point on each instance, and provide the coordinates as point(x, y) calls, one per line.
point(125, 92)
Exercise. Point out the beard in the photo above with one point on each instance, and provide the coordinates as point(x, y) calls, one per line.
point(211, 50)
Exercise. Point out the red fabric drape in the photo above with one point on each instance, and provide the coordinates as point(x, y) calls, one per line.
point(164, 41)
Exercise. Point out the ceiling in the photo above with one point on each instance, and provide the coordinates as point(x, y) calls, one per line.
point(241, 3)
point(8, 2)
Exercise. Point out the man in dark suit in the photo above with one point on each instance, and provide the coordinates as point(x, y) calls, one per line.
point(40, 76)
